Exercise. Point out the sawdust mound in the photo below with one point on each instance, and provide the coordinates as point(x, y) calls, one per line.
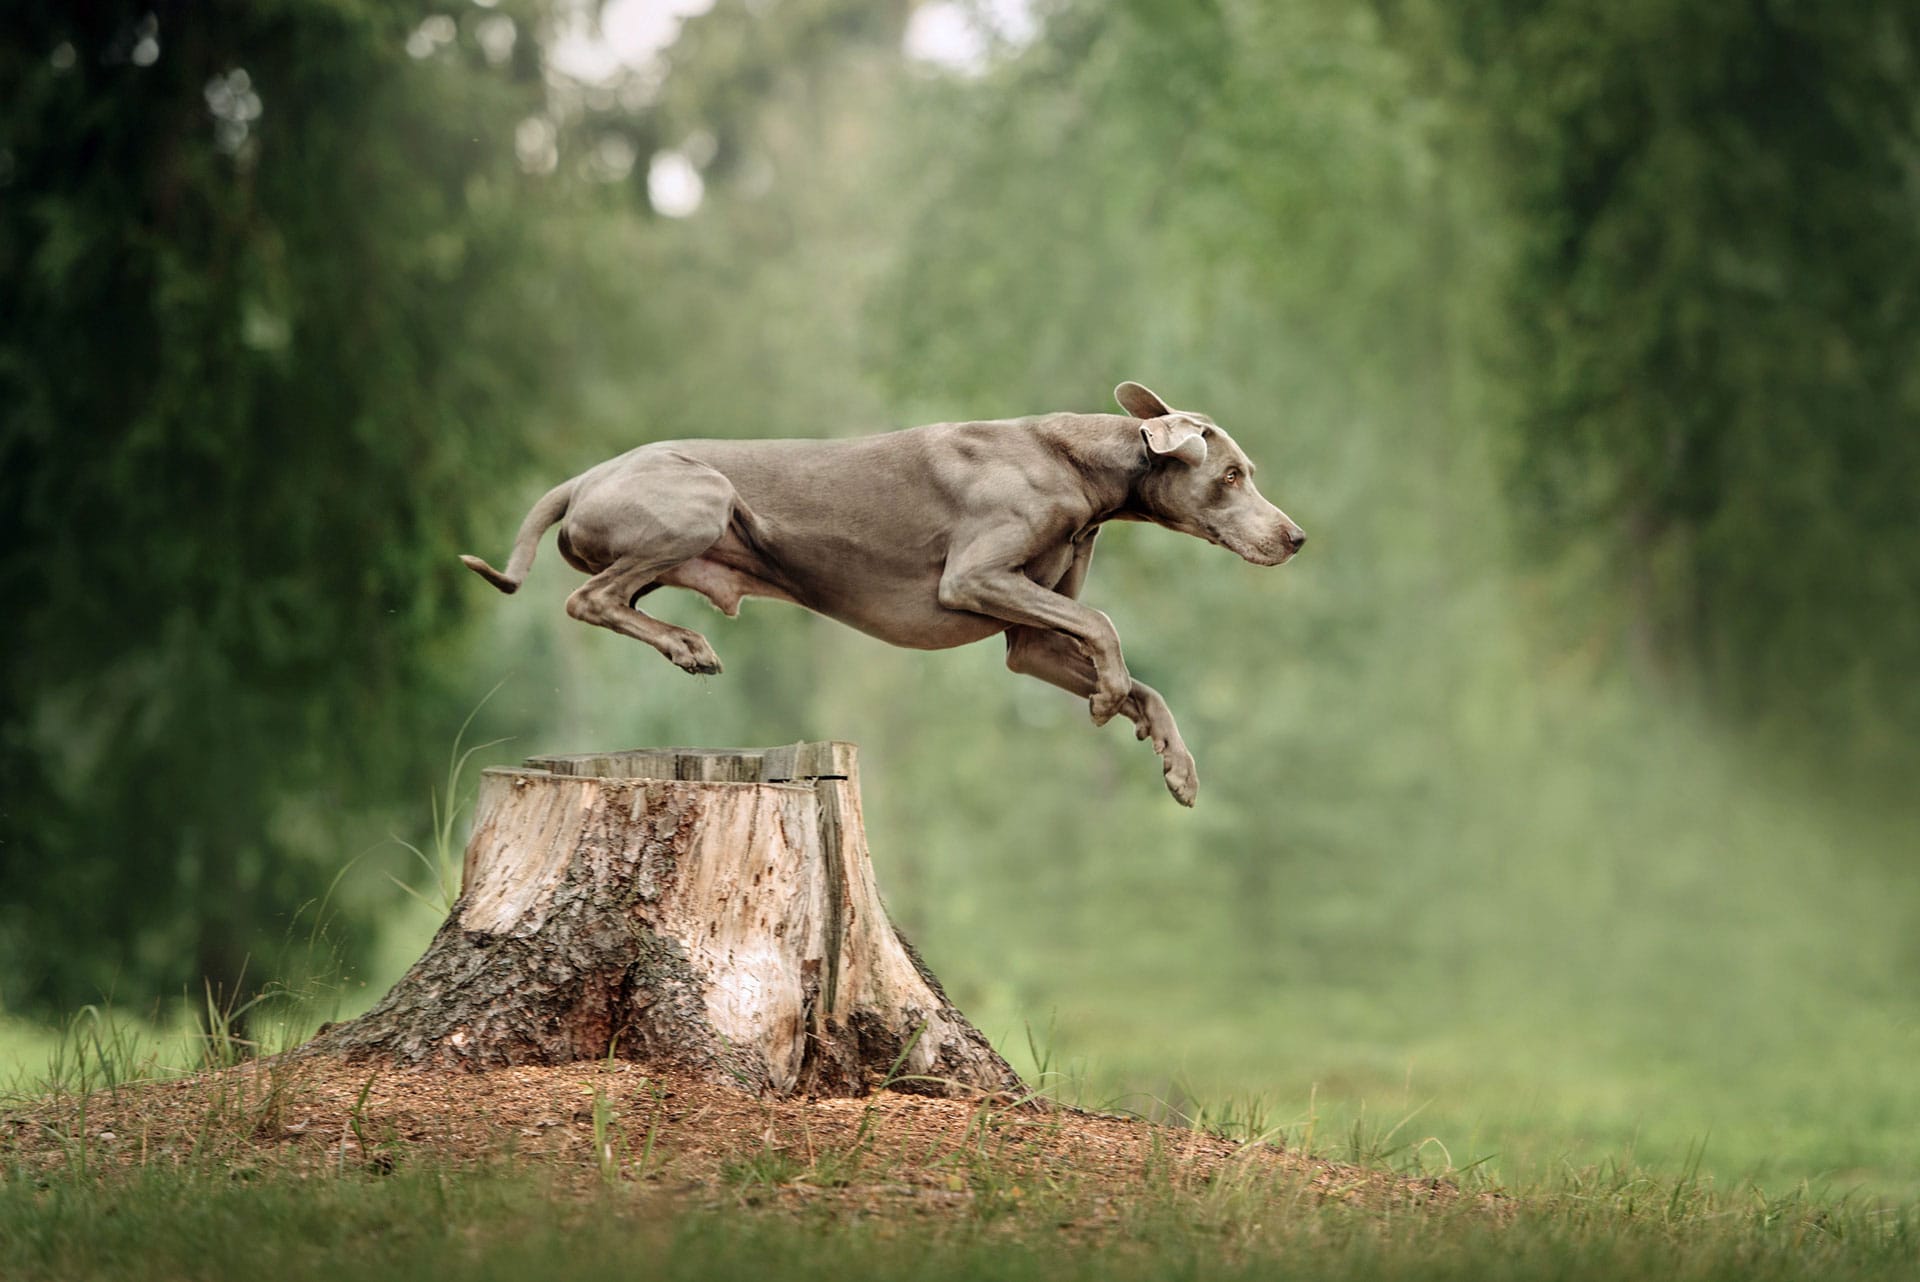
point(593, 1122)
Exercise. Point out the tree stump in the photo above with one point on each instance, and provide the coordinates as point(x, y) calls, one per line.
point(713, 910)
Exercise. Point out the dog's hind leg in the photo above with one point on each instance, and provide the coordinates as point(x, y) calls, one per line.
point(607, 601)
point(652, 521)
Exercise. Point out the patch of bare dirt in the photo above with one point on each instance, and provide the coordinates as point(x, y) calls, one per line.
point(592, 1122)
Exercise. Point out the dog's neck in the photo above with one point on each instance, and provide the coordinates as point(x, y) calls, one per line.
point(1111, 460)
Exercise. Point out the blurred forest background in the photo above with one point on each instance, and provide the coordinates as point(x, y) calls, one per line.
point(1557, 804)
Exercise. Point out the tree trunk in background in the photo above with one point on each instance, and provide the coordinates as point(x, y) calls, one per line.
point(714, 910)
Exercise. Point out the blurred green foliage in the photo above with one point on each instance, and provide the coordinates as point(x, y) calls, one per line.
point(1553, 781)
point(1712, 317)
point(273, 300)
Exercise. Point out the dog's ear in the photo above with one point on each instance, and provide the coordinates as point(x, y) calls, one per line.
point(1139, 402)
point(1175, 436)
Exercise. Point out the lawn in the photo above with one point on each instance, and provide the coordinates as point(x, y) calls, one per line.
point(313, 1168)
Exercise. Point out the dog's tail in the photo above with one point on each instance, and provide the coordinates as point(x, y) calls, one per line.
point(549, 509)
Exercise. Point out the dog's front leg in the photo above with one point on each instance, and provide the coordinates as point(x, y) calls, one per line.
point(986, 578)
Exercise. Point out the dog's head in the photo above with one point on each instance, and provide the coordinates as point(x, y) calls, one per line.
point(1200, 483)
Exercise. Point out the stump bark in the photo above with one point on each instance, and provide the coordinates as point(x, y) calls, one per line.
point(713, 910)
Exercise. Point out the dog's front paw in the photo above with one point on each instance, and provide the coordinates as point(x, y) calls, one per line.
point(1183, 780)
point(691, 652)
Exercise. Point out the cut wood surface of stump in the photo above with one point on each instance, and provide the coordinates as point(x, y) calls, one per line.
point(710, 909)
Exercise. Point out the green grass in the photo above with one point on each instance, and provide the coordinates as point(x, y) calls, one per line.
point(1527, 1103)
point(221, 1209)
point(425, 1223)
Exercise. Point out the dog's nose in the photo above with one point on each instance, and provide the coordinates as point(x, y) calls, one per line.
point(1298, 538)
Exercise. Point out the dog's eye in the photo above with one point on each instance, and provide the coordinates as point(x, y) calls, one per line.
point(1232, 477)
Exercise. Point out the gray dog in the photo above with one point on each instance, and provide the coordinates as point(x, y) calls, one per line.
point(927, 538)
